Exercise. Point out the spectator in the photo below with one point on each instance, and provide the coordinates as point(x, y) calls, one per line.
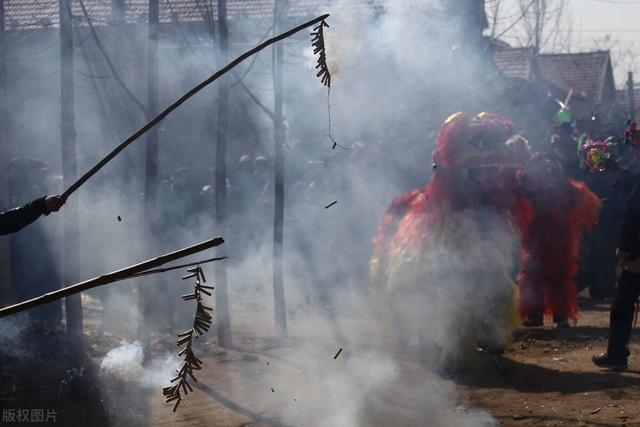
point(628, 289)
point(34, 262)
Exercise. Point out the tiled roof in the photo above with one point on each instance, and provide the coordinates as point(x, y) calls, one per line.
point(514, 63)
point(585, 73)
point(25, 14)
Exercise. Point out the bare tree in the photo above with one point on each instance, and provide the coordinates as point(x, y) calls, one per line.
point(7, 295)
point(623, 55)
point(151, 171)
point(69, 167)
point(544, 25)
point(279, 136)
point(223, 320)
point(493, 9)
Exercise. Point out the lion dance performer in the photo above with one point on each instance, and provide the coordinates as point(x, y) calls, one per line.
point(551, 241)
point(444, 253)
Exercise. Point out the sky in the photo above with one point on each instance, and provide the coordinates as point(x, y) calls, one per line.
point(594, 20)
point(606, 24)
point(597, 17)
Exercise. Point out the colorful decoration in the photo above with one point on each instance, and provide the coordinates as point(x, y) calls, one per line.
point(596, 155)
point(632, 134)
point(564, 115)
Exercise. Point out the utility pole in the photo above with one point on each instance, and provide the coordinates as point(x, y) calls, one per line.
point(69, 168)
point(223, 320)
point(7, 294)
point(279, 135)
point(631, 96)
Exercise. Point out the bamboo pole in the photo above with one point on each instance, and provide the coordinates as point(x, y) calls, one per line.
point(177, 267)
point(122, 274)
point(137, 134)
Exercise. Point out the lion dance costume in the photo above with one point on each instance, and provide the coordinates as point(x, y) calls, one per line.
point(551, 241)
point(444, 253)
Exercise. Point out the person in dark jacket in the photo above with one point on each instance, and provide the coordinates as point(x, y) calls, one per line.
point(35, 249)
point(16, 219)
point(628, 289)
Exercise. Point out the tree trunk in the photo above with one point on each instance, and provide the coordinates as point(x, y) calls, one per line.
point(7, 294)
point(151, 171)
point(69, 168)
point(223, 320)
point(278, 217)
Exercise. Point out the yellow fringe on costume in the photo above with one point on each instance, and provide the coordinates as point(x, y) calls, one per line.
point(454, 288)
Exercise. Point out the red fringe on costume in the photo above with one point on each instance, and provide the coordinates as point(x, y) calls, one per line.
point(551, 246)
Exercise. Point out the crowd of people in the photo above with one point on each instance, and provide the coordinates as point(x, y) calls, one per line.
point(564, 209)
point(581, 209)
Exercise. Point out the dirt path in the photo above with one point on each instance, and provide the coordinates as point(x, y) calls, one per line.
point(545, 378)
point(549, 379)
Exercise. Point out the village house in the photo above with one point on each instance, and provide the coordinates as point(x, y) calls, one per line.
point(537, 83)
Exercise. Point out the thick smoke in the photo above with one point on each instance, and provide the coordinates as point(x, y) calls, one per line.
point(12, 330)
point(396, 75)
point(125, 363)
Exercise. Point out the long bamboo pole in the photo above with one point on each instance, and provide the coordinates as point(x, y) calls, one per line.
point(137, 134)
point(125, 273)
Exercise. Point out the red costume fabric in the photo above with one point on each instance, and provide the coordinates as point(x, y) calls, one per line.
point(445, 250)
point(551, 245)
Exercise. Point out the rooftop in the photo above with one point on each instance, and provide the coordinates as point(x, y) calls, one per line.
point(585, 72)
point(31, 14)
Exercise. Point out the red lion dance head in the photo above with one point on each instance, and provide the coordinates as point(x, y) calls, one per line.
point(475, 161)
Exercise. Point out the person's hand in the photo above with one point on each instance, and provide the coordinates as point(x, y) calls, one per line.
point(53, 203)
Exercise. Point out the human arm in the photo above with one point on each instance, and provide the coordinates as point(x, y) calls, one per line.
point(15, 219)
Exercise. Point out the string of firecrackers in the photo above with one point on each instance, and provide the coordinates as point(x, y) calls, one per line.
point(201, 323)
point(317, 42)
point(319, 49)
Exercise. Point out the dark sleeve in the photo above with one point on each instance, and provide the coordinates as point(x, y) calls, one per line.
point(626, 182)
point(15, 219)
point(631, 224)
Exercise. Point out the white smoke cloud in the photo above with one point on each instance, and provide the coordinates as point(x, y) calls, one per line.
point(125, 363)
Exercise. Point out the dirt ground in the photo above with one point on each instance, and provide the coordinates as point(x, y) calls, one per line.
point(545, 378)
point(548, 378)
